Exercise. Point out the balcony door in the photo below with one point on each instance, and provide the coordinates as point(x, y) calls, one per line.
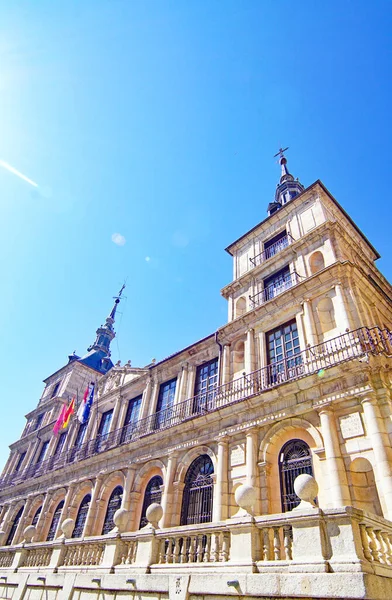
point(206, 381)
point(283, 353)
point(103, 430)
point(277, 283)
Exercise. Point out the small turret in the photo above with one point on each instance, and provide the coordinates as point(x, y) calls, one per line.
point(287, 188)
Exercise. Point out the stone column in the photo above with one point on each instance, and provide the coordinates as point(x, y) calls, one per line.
point(340, 310)
point(221, 487)
point(115, 415)
point(22, 522)
point(128, 483)
point(339, 491)
point(226, 364)
point(43, 516)
point(183, 385)
point(191, 381)
point(167, 496)
point(92, 509)
point(251, 457)
point(146, 399)
point(310, 327)
point(135, 499)
point(65, 512)
point(249, 351)
point(375, 428)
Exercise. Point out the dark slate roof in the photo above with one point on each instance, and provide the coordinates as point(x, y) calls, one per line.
point(93, 359)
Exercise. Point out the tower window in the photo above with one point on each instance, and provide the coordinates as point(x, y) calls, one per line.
point(20, 461)
point(55, 389)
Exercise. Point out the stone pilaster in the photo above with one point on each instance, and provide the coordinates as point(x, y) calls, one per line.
point(310, 327)
point(249, 357)
point(336, 472)
point(67, 503)
point(221, 487)
point(43, 517)
point(167, 496)
point(375, 428)
point(340, 310)
point(225, 364)
point(92, 510)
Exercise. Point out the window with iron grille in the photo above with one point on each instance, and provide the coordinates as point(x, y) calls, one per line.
point(14, 526)
point(283, 353)
point(205, 384)
point(36, 516)
point(113, 505)
point(165, 403)
point(152, 494)
point(197, 496)
point(131, 418)
point(55, 521)
point(82, 516)
point(60, 443)
point(21, 458)
point(42, 452)
point(295, 458)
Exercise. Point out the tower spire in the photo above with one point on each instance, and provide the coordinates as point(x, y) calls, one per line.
point(287, 188)
point(98, 354)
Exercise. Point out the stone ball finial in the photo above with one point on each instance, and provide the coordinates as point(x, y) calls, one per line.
point(154, 514)
point(121, 520)
point(306, 488)
point(67, 527)
point(245, 496)
point(29, 533)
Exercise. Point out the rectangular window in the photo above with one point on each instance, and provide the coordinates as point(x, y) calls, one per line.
point(38, 422)
point(21, 458)
point(205, 384)
point(131, 418)
point(55, 389)
point(165, 403)
point(277, 283)
point(60, 443)
point(104, 424)
point(283, 353)
point(42, 452)
point(80, 435)
point(276, 244)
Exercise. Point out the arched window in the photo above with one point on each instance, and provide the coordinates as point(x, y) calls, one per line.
point(197, 498)
point(316, 262)
point(240, 307)
point(36, 516)
point(82, 515)
point(152, 494)
point(14, 526)
point(295, 458)
point(55, 522)
point(113, 505)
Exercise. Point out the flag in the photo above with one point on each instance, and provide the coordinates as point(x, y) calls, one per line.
point(85, 405)
point(59, 423)
point(69, 411)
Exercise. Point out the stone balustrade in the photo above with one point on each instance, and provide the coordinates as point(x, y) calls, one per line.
point(37, 557)
point(84, 554)
point(200, 546)
point(6, 558)
point(376, 537)
point(332, 540)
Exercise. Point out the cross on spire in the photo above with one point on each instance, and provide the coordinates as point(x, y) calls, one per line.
point(280, 152)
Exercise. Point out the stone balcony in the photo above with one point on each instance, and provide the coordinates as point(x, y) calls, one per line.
point(314, 360)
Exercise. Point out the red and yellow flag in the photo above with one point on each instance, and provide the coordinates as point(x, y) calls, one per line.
point(70, 411)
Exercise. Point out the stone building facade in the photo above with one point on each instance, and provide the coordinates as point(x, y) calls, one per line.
point(297, 382)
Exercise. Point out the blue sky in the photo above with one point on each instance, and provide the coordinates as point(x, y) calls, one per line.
point(159, 120)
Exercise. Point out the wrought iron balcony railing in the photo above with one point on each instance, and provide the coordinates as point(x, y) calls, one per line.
point(272, 250)
point(275, 289)
point(313, 360)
